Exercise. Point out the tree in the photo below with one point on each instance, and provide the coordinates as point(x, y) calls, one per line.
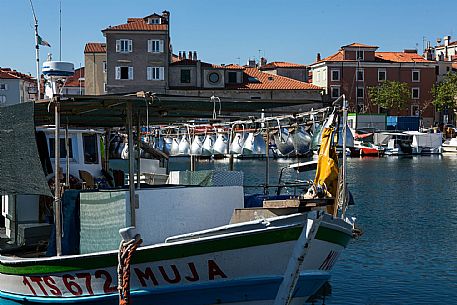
point(390, 95)
point(445, 92)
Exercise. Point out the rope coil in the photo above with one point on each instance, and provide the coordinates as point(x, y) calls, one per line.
point(126, 250)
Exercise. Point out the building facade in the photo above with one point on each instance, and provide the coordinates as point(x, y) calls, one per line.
point(287, 69)
point(137, 56)
point(95, 68)
point(16, 87)
point(356, 67)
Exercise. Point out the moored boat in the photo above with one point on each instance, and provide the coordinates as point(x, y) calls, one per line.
point(198, 245)
point(450, 146)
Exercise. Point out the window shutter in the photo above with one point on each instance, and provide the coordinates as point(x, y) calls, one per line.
point(118, 72)
point(161, 46)
point(161, 73)
point(148, 73)
point(149, 46)
point(118, 46)
point(130, 45)
point(130, 72)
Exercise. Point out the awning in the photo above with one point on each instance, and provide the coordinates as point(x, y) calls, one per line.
point(110, 110)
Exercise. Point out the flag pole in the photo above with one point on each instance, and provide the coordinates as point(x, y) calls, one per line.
point(37, 52)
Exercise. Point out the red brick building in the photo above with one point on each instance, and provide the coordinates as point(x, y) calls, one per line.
point(356, 67)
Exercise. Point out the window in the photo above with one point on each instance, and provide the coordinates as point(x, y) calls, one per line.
point(415, 93)
point(359, 54)
point(104, 66)
point(90, 147)
point(416, 76)
point(185, 76)
point(213, 77)
point(124, 46)
point(105, 89)
point(3, 87)
point(335, 91)
point(154, 21)
point(124, 73)
point(232, 77)
point(360, 92)
point(360, 75)
point(381, 75)
point(256, 97)
point(155, 73)
point(63, 151)
point(335, 75)
point(415, 110)
point(2, 99)
point(155, 46)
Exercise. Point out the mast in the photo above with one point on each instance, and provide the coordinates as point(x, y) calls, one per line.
point(57, 194)
point(37, 52)
point(344, 165)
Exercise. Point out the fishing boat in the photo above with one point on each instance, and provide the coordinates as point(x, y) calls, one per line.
point(180, 244)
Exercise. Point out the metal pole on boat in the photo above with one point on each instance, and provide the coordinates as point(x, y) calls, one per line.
point(57, 202)
point(67, 158)
point(267, 160)
point(344, 165)
point(138, 160)
point(131, 164)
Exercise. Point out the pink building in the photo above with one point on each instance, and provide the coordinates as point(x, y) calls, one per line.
point(356, 67)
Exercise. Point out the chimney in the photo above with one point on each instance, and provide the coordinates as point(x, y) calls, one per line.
point(190, 55)
point(251, 63)
point(318, 57)
point(446, 40)
point(195, 56)
point(180, 55)
point(166, 16)
point(263, 61)
point(183, 54)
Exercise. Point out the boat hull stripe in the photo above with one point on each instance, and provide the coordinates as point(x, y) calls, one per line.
point(169, 251)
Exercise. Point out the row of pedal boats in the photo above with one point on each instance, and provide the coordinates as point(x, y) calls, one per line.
point(284, 142)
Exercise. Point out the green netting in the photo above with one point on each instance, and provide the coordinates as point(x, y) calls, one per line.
point(20, 167)
point(102, 214)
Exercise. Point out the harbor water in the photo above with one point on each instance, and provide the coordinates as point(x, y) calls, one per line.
point(407, 209)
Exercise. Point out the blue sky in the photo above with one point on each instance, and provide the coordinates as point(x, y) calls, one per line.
point(230, 31)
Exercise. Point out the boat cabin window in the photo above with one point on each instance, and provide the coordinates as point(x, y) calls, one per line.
point(63, 151)
point(90, 148)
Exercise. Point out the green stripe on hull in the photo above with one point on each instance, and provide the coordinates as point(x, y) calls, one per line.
point(333, 236)
point(171, 251)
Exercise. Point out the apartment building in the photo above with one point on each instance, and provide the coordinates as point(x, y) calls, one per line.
point(16, 87)
point(355, 67)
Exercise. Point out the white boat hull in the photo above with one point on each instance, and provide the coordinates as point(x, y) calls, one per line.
point(236, 264)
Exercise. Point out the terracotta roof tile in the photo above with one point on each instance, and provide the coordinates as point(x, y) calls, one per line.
point(7, 73)
point(379, 57)
point(77, 79)
point(95, 47)
point(140, 25)
point(134, 20)
point(233, 67)
point(254, 79)
point(399, 57)
point(282, 64)
point(359, 45)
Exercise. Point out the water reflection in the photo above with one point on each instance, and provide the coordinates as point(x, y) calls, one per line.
point(407, 208)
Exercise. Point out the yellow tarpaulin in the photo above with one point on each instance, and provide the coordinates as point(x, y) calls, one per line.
point(327, 165)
